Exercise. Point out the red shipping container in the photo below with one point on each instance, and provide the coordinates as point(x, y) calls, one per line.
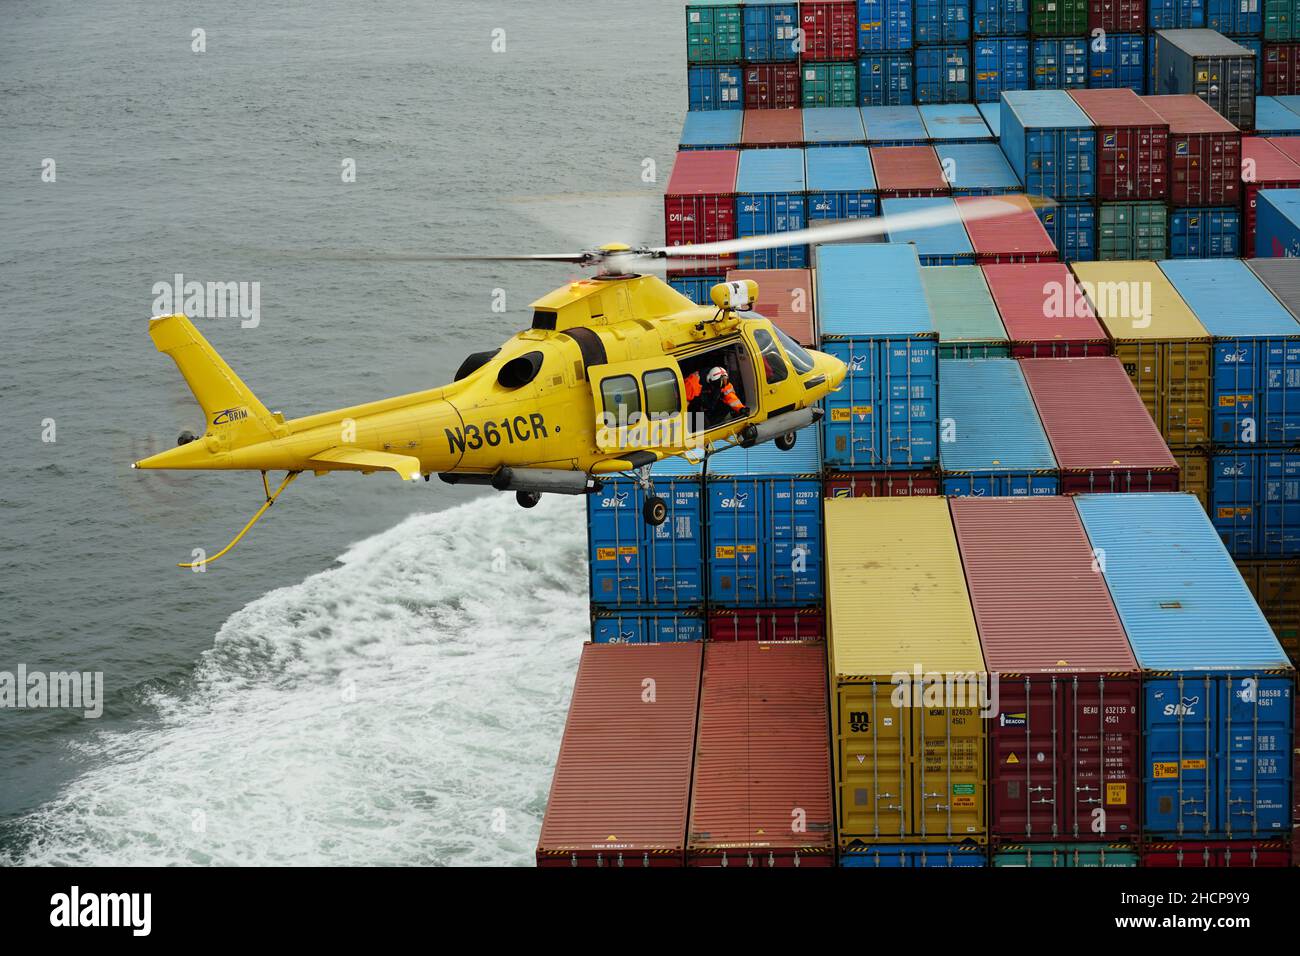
point(908, 171)
point(1263, 166)
point(772, 86)
point(1117, 16)
point(761, 792)
point(700, 202)
point(1199, 854)
point(1018, 236)
point(1068, 685)
point(785, 296)
point(622, 780)
point(772, 128)
point(1281, 69)
point(1204, 152)
point(1044, 311)
point(767, 624)
point(1101, 433)
point(1132, 144)
point(830, 30)
point(882, 484)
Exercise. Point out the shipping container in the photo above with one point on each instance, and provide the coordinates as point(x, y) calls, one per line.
point(1059, 63)
point(885, 79)
point(1204, 152)
point(1263, 166)
point(1072, 690)
point(1234, 17)
point(1101, 434)
point(715, 129)
point(1217, 853)
point(882, 484)
point(1170, 14)
point(1015, 236)
point(1281, 19)
point(1117, 16)
point(1058, 18)
point(1277, 223)
point(832, 84)
point(884, 25)
point(928, 855)
point(1066, 854)
point(893, 125)
point(700, 202)
point(991, 441)
point(1045, 313)
point(715, 88)
point(1001, 63)
point(1194, 473)
point(992, 113)
point(770, 186)
point(1210, 66)
point(1118, 62)
point(936, 245)
point(1281, 69)
point(830, 29)
point(874, 316)
point(1275, 585)
point(772, 86)
point(760, 750)
point(1256, 350)
point(769, 31)
point(1073, 228)
point(713, 32)
point(782, 129)
point(901, 622)
point(623, 774)
point(841, 183)
point(646, 626)
point(1273, 118)
point(1132, 230)
point(1217, 696)
point(695, 288)
point(941, 21)
point(999, 18)
point(1166, 352)
point(907, 171)
point(1132, 145)
point(976, 169)
point(954, 123)
point(786, 297)
point(964, 314)
point(767, 624)
point(1255, 501)
point(1204, 233)
point(942, 74)
point(1050, 143)
point(834, 126)
point(1255, 46)
point(763, 511)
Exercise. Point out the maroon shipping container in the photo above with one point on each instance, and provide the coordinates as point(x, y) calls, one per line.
point(700, 202)
point(1017, 236)
point(761, 791)
point(786, 297)
point(1045, 313)
point(1101, 433)
point(830, 30)
point(772, 86)
point(882, 484)
point(1263, 166)
point(772, 128)
point(1281, 69)
point(767, 624)
point(1204, 152)
point(1117, 16)
point(1068, 686)
point(1132, 144)
point(623, 775)
point(1192, 854)
point(908, 171)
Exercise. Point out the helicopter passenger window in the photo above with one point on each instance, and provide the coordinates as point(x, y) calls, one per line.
point(662, 397)
point(622, 398)
point(773, 361)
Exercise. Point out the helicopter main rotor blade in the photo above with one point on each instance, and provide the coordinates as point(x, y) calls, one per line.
point(580, 257)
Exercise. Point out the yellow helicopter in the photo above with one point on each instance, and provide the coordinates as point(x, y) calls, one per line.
point(611, 377)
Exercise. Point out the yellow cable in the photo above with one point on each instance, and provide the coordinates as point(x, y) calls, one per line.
point(288, 480)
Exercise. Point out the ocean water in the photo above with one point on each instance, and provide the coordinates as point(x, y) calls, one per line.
point(380, 672)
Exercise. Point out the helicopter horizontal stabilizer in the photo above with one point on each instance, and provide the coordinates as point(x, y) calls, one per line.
point(361, 459)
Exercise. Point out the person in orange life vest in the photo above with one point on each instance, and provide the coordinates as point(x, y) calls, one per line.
point(715, 397)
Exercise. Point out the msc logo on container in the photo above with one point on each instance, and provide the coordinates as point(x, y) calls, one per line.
point(1185, 708)
point(859, 722)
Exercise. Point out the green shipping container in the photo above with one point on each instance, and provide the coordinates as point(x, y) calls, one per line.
point(1066, 854)
point(1059, 18)
point(1132, 230)
point(964, 314)
point(1280, 18)
point(830, 84)
point(713, 32)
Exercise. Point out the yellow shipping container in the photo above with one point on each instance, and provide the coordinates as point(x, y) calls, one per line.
point(1194, 473)
point(907, 679)
point(1276, 585)
point(1163, 346)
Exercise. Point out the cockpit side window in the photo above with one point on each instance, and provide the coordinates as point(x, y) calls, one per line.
point(799, 357)
point(773, 361)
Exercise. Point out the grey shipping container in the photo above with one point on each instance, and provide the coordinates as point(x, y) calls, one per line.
point(1209, 65)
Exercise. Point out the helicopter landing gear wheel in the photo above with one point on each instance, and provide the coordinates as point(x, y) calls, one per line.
point(655, 511)
point(528, 499)
point(786, 442)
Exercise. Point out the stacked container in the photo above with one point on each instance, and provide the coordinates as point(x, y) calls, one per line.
point(780, 129)
point(769, 31)
point(700, 206)
point(1277, 223)
point(717, 129)
point(907, 171)
point(964, 314)
point(770, 187)
point(841, 183)
point(954, 123)
point(1044, 311)
point(1060, 63)
point(1207, 65)
point(1120, 61)
point(786, 297)
point(1014, 235)
point(1001, 64)
point(772, 86)
point(1050, 143)
point(894, 126)
point(942, 74)
point(1263, 166)
point(976, 169)
point(834, 126)
point(936, 245)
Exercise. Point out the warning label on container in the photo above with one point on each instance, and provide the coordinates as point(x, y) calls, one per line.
point(963, 803)
point(724, 552)
point(606, 554)
point(1116, 794)
point(1193, 764)
point(1227, 401)
point(840, 415)
point(1012, 758)
point(1165, 771)
point(963, 789)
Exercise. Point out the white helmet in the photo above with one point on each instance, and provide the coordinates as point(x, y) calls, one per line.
point(717, 374)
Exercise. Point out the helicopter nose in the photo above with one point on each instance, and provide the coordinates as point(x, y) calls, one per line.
point(836, 372)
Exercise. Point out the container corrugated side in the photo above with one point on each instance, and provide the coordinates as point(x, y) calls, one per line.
point(976, 169)
point(1001, 64)
point(1050, 143)
point(772, 86)
point(786, 297)
point(1042, 311)
point(897, 603)
point(885, 79)
point(1120, 63)
point(936, 245)
point(1211, 67)
point(769, 31)
point(761, 751)
point(1204, 152)
point(1264, 166)
point(1217, 854)
point(700, 200)
point(1204, 233)
point(770, 197)
point(1015, 235)
point(1255, 500)
point(1275, 585)
point(767, 624)
point(1277, 223)
point(1132, 144)
point(1194, 473)
point(841, 183)
point(963, 313)
point(1066, 855)
point(992, 113)
point(881, 484)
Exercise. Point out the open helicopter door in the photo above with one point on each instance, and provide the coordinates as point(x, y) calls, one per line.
point(639, 405)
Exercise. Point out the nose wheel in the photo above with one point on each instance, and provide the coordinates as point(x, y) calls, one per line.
point(786, 442)
point(655, 511)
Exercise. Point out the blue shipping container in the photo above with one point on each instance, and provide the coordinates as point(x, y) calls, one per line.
point(954, 123)
point(1001, 63)
point(1277, 224)
point(712, 129)
point(1060, 64)
point(1256, 46)
point(991, 440)
point(769, 31)
point(770, 188)
point(885, 79)
point(644, 626)
point(1202, 233)
point(715, 88)
point(696, 288)
point(1234, 17)
point(875, 317)
point(884, 25)
point(942, 74)
point(1255, 501)
point(976, 169)
point(833, 126)
point(841, 184)
point(1118, 63)
point(1175, 14)
point(1073, 228)
point(1050, 143)
point(1256, 396)
point(999, 18)
point(992, 113)
point(941, 21)
point(944, 245)
point(1218, 690)
point(893, 125)
point(1272, 118)
point(923, 855)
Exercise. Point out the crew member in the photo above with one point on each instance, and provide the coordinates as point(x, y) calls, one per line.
point(716, 397)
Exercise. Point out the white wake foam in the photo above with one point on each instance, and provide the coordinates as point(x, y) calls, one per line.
point(404, 708)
